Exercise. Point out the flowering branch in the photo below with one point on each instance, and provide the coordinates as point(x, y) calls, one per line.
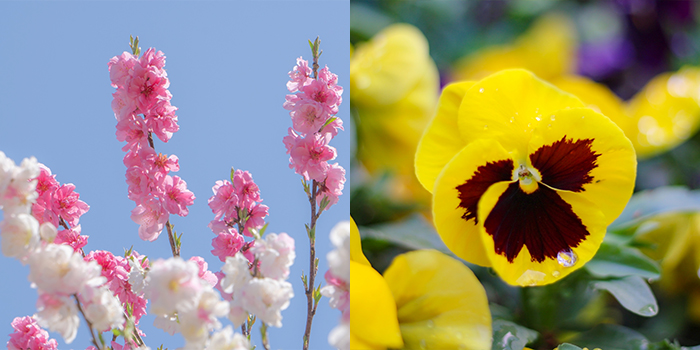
point(312, 109)
point(92, 332)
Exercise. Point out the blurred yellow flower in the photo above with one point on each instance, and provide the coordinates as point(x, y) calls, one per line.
point(547, 49)
point(435, 301)
point(658, 118)
point(524, 177)
point(675, 242)
point(395, 86)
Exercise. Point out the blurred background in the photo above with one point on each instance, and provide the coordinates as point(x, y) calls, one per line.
point(634, 60)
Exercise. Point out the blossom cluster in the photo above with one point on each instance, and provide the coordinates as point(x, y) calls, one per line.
point(312, 106)
point(142, 107)
point(337, 286)
point(254, 275)
point(28, 335)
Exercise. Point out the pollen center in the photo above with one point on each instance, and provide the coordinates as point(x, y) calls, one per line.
point(527, 178)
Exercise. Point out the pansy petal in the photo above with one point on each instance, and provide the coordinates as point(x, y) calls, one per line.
point(666, 112)
point(386, 68)
point(461, 235)
point(523, 269)
point(441, 304)
point(356, 253)
point(441, 139)
point(610, 181)
point(373, 319)
point(508, 105)
point(599, 98)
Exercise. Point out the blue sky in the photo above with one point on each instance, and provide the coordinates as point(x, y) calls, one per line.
point(227, 63)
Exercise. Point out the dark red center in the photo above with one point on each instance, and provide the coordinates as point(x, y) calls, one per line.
point(541, 220)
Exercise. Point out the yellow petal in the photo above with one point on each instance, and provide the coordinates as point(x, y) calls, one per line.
point(508, 105)
point(666, 112)
point(441, 304)
point(615, 174)
point(524, 271)
point(599, 98)
point(373, 319)
point(356, 253)
point(441, 140)
point(461, 236)
point(385, 69)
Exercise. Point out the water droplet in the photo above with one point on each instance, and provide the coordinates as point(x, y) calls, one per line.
point(512, 119)
point(423, 344)
point(567, 258)
point(529, 125)
point(649, 310)
point(583, 116)
point(538, 117)
point(430, 324)
point(481, 90)
point(516, 113)
point(496, 89)
point(486, 127)
point(549, 126)
point(553, 117)
point(556, 274)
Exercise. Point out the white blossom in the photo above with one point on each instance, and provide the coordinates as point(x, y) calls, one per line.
point(102, 308)
point(339, 337)
point(226, 339)
point(59, 314)
point(137, 275)
point(237, 273)
point(199, 318)
point(18, 184)
point(167, 323)
point(266, 298)
point(19, 235)
point(170, 283)
point(339, 258)
point(275, 254)
point(56, 268)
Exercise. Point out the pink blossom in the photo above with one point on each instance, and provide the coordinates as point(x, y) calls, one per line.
point(138, 184)
point(332, 186)
point(319, 92)
point(72, 238)
point(66, 203)
point(122, 105)
point(28, 335)
point(158, 165)
point(134, 131)
point(246, 190)
point(299, 75)
point(45, 181)
point(256, 219)
point(163, 121)
point(220, 226)
point(151, 216)
point(204, 274)
point(309, 155)
point(226, 244)
point(153, 58)
point(119, 69)
point(224, 201)
point(308, 118)
point(147, 86)
point(177, 196)
point(275, 254)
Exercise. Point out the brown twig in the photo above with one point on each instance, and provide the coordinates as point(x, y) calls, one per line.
point(92, 333)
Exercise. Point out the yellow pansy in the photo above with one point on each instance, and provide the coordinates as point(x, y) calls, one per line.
point(395, 86)
point(674, 240)
point(658, 118)
point(548, 49)
point(524, 177)
point(426, 300)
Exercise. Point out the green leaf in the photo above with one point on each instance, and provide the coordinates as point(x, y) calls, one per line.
point(262, 230)
point(645, 204)
point(611, 337)
point(511, 336)
point(620, 261)
point(233, 171)
point(632, 292)
point(414, 232)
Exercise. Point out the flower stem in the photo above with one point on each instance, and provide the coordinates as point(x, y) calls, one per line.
point(92, 332)
point(263, 333)
point(309, 291)
point(174, 247)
